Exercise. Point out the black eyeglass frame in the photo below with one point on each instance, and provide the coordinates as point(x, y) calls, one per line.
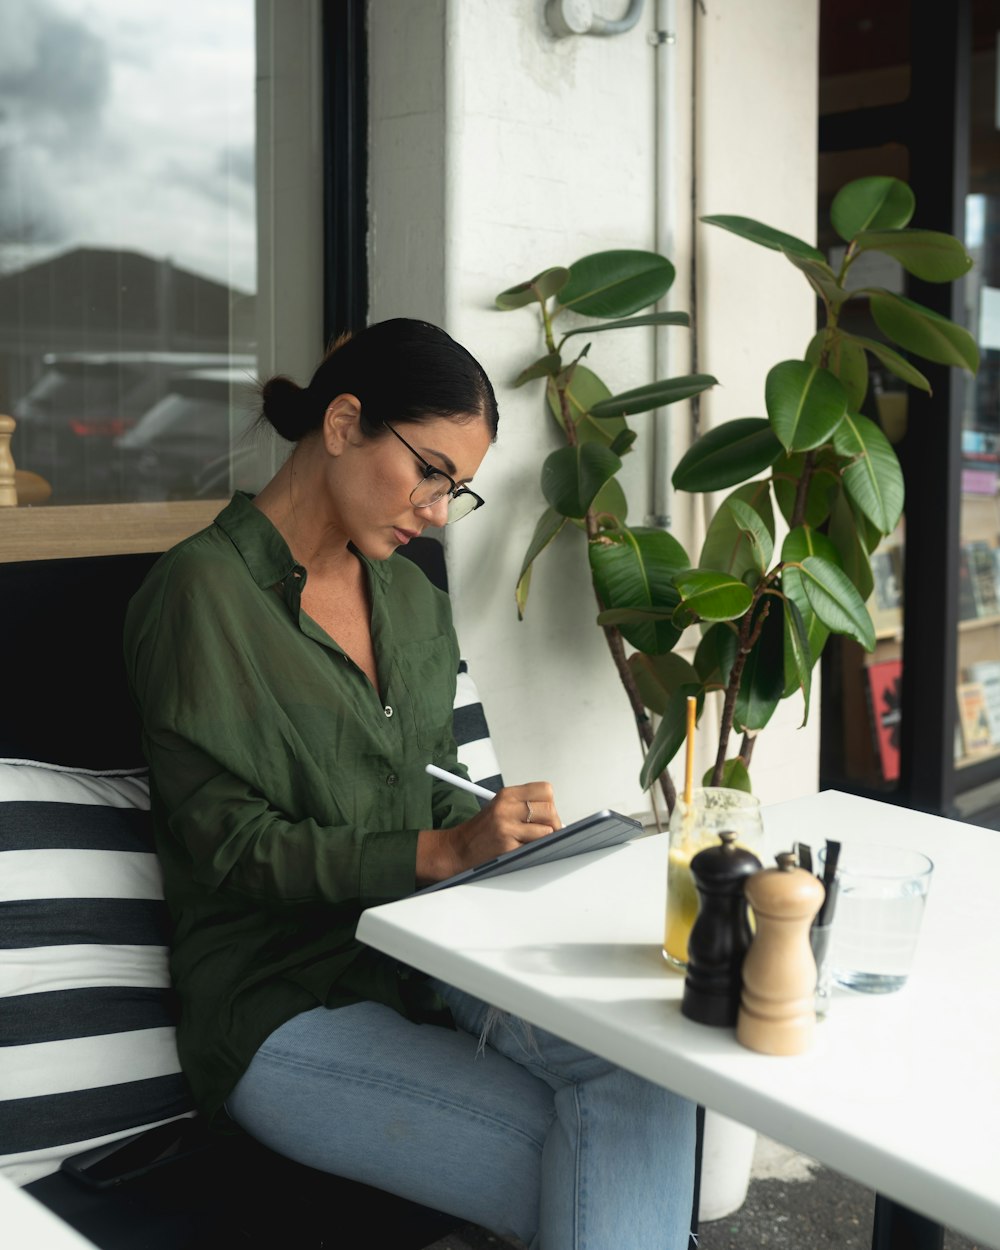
point(454, 492)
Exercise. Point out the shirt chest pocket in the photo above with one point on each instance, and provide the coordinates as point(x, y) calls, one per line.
point(427, 671)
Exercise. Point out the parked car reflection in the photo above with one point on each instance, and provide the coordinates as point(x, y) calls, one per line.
point(199, 422)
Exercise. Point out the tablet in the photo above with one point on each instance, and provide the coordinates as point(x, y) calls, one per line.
point(592, 833)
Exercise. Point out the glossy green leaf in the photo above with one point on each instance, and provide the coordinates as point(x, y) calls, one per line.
point(727, 454)
point(622, 442)
point(543, 285)
point(822, 279)
point(616, 283)
point(763, 682)
point(847, 533)
point(734, 775)
point(798, 656)
point(584, 389)
point(766, 236)
point(546, 528)
point(716, 654)
point(635, 568)
point(610, 500)
point(572, 476)
point(805, 404)
point(713, 596)
point(927, 254)
point(653, 395)
point(875, 203)
point(918, 329)
point(873, 479)
point(893, 361)
point(658, 676)
point(727, 547)
point(755, 528)
point(824, 484)
point(545, 367)
point(647, 319)
point(844, 356)
point(670, 735)
point(836, 602)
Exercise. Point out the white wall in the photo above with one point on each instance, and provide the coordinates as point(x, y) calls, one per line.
point(497, 151)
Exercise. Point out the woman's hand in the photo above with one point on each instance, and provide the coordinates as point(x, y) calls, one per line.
point(518, 814)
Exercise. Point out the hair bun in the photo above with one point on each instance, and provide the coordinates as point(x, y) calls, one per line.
point(285, 407)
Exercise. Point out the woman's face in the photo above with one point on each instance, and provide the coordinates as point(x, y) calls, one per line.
point(383, 472)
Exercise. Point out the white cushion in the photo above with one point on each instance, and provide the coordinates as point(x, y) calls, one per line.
point(472, 735)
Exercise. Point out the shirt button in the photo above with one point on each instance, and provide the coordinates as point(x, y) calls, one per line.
point(388, 710)
point(391, 779)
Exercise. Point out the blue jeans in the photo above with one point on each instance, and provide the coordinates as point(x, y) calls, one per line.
point(523, 1133)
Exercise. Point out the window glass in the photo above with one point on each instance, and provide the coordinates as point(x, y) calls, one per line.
point(128, 241)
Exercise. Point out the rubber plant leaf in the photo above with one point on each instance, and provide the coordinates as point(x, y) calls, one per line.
point(716, 654)
point(584, 390)
point(545, 367)
point(799, 543)
point(713, 596)
point(875, 203)
point(653, 395)
point(836, 602)
point(727, 455)
point(758, 535)
point(847, 532)
point(727, 546)
point(670, 734)
point(927, 254)
point(821, 278)
point(893, 361)
point(647, 319)
point(873, 478)
point(616, 283)
point(766, 236)
point(541, 287)
point(635, 569)
point(845, 358)
point(546, 528)
point(805, 404)
point(572, 476)
point(919, 329)
point(658, 676)
point(763, 682)
point(798, 657)
point(823, 485)
point(734, 775)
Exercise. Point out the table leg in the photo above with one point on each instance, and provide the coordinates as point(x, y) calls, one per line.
point(898, 1228)
point(699, 1139)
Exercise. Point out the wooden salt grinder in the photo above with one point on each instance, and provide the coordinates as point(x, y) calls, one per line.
point(777, 1013)
point(720, 935)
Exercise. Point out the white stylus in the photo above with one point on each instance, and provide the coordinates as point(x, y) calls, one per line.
point(459, 782)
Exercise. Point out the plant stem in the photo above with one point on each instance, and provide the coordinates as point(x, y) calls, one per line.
point(749, 633)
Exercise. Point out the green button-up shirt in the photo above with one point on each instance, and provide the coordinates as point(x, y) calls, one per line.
point(286, 792)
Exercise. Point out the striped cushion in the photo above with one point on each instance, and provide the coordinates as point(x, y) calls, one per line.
point(475, 750)
point(87, 1050)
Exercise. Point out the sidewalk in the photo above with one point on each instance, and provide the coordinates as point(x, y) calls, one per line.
point(793, 1204)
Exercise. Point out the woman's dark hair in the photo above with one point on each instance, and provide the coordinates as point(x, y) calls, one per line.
point(400, 370)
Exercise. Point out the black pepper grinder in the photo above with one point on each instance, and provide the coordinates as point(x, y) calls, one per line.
point(721, 935)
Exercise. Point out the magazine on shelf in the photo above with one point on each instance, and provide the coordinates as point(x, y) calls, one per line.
point(884, 679)
point(987, 674)
point(973, 718)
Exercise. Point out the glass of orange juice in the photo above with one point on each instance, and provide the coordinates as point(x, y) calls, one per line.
point(692, 827)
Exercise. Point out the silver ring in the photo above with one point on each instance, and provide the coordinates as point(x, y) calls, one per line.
point(528, 818)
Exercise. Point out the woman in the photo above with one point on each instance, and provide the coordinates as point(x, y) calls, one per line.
point(294, 680)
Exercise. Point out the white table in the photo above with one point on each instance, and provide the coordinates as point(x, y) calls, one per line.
point(899, 1092)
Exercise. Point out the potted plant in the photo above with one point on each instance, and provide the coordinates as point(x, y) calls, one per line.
point(764, 608)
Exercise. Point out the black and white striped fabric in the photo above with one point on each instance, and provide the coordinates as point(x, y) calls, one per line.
point(472, 735)
point(87, 1046)
point(87, 1049)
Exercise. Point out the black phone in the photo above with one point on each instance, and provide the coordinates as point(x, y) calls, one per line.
point(129, 1157)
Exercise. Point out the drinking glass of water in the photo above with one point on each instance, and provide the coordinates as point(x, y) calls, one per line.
point(880, 904)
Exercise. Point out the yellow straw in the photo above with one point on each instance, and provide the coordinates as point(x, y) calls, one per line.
point(692, 705)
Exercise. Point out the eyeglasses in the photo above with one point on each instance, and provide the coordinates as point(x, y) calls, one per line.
point(436, 484)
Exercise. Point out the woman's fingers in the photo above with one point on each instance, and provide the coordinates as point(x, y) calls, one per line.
point(531, 804)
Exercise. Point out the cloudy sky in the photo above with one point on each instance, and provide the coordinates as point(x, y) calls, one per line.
point(129, 124)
